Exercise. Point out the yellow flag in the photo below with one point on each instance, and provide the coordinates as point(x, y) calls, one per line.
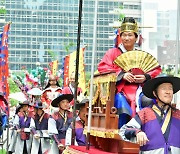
point(72, 67)
point(54, 67)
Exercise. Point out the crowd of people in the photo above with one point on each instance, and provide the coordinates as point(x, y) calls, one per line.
point(143, 101)
point(40, 126)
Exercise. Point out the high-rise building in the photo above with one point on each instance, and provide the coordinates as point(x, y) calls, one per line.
point(44, 30)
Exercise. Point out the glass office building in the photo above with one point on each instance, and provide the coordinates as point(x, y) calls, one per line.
point(42, 27)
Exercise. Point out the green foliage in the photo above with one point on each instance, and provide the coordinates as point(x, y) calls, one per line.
point(67, 46)
point(2, 2)
point(2, 11)
point(13, 88)
point(52, 54)
point(170, 70)
point(13, 102)
point(121, 15)
point(42, 77)
point(19, 74)
point(2, 151)
point(60, 81)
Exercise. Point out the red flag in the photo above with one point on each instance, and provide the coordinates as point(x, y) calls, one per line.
point(69, 67)
point(66, 70)
point(4, 69)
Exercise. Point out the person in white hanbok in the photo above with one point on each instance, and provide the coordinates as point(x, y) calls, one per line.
point(39, 129)
point(22, 124)
point(59, 122)
point(13, 132)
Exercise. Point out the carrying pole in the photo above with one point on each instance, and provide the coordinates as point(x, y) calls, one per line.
point(76, 71)
point(92, 74)
point(177, 45)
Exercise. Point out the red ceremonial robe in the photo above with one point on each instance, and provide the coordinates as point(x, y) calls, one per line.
point(128, 89)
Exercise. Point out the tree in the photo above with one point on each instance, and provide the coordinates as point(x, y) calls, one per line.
point(13, 88)
point(68, 45)
point(2, 9)
point(121, 15)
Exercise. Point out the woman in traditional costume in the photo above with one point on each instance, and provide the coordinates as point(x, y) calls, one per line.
point(51, 91)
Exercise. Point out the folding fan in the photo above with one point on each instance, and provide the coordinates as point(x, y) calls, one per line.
point(137, 62)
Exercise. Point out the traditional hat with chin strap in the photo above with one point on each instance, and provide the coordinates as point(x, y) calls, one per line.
point(152, 84)
point(26, 102)
point(39, 105)
point(129, 25)
point(18, 109)
point(61, 97)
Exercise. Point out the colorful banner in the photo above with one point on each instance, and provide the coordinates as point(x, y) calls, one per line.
point(54, 67)
point(70, 66)
point(4, 69)
point(117, 39)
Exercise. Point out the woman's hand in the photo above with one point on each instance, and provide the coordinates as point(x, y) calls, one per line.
point(141, 138)
point(129, 77)
point(139, 78)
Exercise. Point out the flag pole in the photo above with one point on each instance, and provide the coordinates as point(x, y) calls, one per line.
point(76, 71)
point(177, 45)
point(92, 73)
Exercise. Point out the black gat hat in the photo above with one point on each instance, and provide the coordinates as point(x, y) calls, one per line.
point(152, 84)
point(61, 97)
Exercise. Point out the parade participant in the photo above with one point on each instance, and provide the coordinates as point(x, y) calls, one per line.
point(59, 122)
point(79, 125)
point(39, 128)
point(127, 84)
point(3, 112)
point(3, 102)
point(3, 109)
point(34, 94)
point(51, 91)
point(21, 124)
point(13, 132)
point(156, 129)
point(70, 89)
